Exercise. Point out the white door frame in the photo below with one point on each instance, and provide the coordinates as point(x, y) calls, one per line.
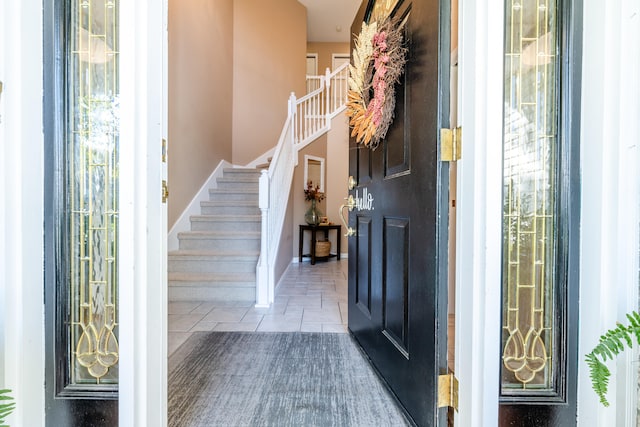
point(610, 207)
point(21, 209)
point(479, 211)
point(143, 294)
point(143, 227)
point(610, 216)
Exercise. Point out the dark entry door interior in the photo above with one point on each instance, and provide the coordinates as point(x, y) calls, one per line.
point(398, 257)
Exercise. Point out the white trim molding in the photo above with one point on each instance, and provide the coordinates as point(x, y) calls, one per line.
point(143, 232)
point(21, 198)
point(479, 211)
point(610, 134)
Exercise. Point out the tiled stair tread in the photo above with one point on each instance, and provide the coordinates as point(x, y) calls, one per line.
point(226, 235)
point(211, 276)
point(203, 253)
point(226, 218)
point(185, 278)
point(241, 171)
point(244, 179)
point(249, 203)
point(177, 286)
point(236, 184)
point(253, 190)
point(207, 293)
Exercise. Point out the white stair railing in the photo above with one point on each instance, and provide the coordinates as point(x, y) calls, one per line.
point(313, 83)
point(307, 119)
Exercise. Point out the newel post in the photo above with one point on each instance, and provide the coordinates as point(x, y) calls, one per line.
point(327, 97)
point(262, 269)
point(292, 104)
point(293, 109)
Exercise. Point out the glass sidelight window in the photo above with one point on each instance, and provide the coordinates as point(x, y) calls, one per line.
point(531, 291)
point(88, 247)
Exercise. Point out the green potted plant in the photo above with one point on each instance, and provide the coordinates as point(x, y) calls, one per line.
point(7, 405)
point(610, 345)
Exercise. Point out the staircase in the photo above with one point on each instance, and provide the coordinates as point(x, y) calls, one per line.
point(229, 254)
point(216, 259)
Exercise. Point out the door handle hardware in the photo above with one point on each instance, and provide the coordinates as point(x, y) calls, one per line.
point(352, 182)
point(351, 203)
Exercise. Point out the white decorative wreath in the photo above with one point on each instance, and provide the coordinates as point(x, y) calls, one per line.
point(378, 62)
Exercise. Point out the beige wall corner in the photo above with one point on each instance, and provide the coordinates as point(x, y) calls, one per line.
point(269, 63)
point(200, 95)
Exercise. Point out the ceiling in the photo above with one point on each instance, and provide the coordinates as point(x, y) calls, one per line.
point(330, 20)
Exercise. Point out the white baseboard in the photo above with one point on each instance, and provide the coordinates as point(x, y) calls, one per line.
point(184, 222)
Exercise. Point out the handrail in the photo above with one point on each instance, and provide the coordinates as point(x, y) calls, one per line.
point(307, 119)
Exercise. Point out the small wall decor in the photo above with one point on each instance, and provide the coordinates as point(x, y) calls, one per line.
point(379, 57)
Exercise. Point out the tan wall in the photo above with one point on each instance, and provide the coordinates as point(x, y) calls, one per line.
point(269, 63)
point(334, 148)
point(454, 24)
point(317, 148)
point(324, 51)
point(337, 180)
point(200, 95)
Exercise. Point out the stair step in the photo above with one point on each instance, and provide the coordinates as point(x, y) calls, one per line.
point(238, 207)
point(214, 279)
point(244, 186)
point(207, 293)
point(203, 261)
point(241, 172)
point(226, 222)
point(224, 194)
point(237, 241)
point(239, 178)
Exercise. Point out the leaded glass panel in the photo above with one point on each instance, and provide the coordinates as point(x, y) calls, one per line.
point(91, 186)
point(529, 326)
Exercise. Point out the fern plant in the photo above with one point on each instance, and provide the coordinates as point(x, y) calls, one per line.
point(611, 344)
point(6, 406)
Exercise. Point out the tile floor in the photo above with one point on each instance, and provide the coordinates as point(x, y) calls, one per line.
point(310, 298)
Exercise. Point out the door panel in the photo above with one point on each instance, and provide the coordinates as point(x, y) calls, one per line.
point(398, 259)
point(363, 275)
point(395, 284)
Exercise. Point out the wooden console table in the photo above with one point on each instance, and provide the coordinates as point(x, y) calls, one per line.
point(314, 229)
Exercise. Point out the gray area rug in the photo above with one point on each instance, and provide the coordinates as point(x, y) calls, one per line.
point(276, 379)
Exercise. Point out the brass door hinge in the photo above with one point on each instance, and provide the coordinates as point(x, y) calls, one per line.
point(448, 391)
point(165, 191)
point(451, 141)
point(164, 150)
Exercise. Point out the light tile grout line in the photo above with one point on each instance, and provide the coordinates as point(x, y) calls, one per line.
point(321, 277)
